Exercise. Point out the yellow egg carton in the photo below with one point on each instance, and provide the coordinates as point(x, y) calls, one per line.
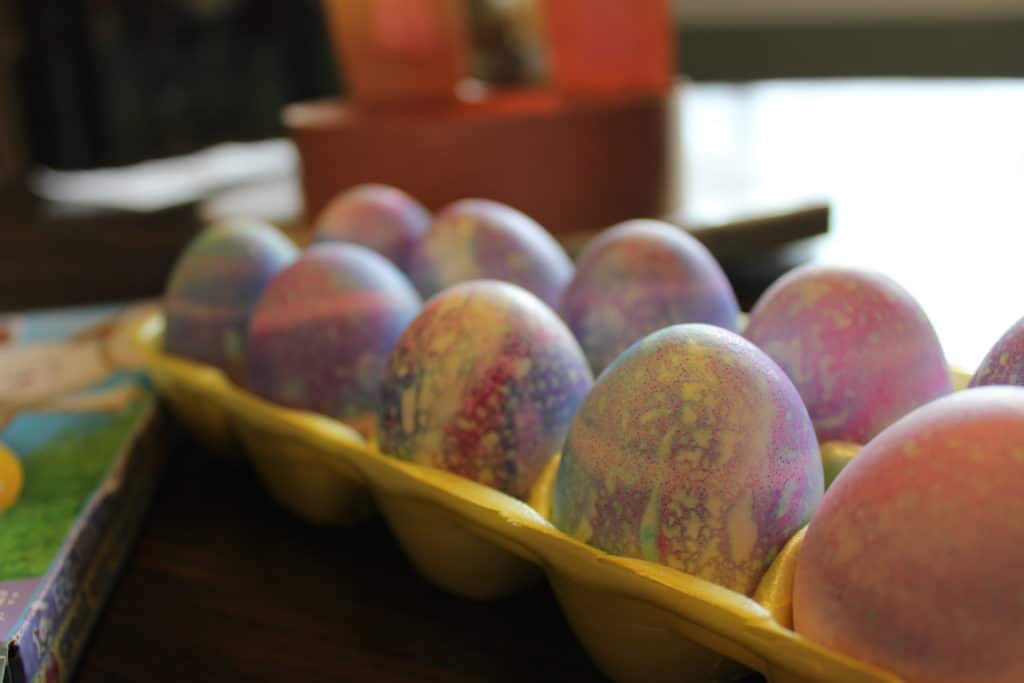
point(638, 620)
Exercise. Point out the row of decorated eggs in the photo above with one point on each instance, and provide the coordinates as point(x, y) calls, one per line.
point(696, 447)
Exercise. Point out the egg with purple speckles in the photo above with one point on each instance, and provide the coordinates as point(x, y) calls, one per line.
point(1004, 363)
point(692, 450)
point(322, 333)
point(481, 239)
point(858, 347)
point(215, 284)
point(639, 277)
point(913, 562)
point(378, 217)
point(484, 383)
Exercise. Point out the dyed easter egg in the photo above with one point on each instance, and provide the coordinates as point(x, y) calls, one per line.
point(378, 217)
point(913, 561)
point(692, 450)
point(1004, 363)
point(12, 478)
point(483, 383)
point(857, 346)
point(213, 288)
point(322, 333)
point(639, 277)
point(481, 239)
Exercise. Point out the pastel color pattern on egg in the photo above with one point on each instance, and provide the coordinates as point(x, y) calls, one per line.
point(693, 450)
point(858, 347)
point(484, 383)
point(639, 277)
point(481, 239)
point(1004, 363)
point(321, 336)
point(913, 561)
point(378, 217)
point(215, 284)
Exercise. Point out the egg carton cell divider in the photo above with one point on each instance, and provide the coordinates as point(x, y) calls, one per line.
point(638, 620)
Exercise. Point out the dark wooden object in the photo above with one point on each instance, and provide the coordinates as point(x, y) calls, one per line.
point(572, 166)
point(64, 257)
point(226, 586)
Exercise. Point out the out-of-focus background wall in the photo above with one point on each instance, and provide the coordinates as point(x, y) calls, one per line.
point(92, 83)
point(780, 11)
point(743, 39)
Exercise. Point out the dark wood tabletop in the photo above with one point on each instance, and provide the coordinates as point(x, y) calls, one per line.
point(225, 586)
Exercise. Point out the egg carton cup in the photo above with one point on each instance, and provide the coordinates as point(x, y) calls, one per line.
point(638, 620)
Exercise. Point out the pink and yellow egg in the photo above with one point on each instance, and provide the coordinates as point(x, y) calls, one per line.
point(1004, 363)
point(484, 383)
point(913, 561)
point(378, 217)
point(475, 239)
point(321, 335)
point(693, 450)
point(858, 347)
point(639, 277)
point(213, 288)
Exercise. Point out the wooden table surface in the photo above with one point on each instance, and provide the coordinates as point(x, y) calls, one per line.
point(925, 183)
point(225, 586)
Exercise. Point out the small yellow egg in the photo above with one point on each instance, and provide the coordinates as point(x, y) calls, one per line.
point(11, 478)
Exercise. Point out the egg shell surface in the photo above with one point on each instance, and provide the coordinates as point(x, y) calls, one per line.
point(693, 450)
point(379, 217)
point(323, 331)
point(482, 239)
point(1004, 363)
point(484, 383)
point(639, 277)
point(215, 284)
point(858, 347)
point(913, 561)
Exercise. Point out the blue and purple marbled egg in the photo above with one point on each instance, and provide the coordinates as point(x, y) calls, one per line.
point(213, 288)
point(858, 347)
point(484, 383)
point(1004, 363)
point(320, 337)
point(639, 277)
point(693, 450)
point(378, 217)
point(481, 239)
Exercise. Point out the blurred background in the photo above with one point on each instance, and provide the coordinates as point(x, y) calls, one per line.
point(901, 118)
point(94, 83)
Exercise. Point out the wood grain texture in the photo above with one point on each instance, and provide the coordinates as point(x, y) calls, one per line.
point(54, 256)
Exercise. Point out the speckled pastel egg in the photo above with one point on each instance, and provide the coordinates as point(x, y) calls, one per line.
point(378, 217)
point(1004, 363)
point(913, 561)
point(639, 277)
point(481, 239)
point(484, 383)
point(321, 336)
point(857, 346)
point(693, 450)
point(214, 286)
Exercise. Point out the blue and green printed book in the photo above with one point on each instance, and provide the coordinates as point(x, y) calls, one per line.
point(79, 461)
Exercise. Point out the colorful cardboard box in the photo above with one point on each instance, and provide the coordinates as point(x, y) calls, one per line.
point(79, 418)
